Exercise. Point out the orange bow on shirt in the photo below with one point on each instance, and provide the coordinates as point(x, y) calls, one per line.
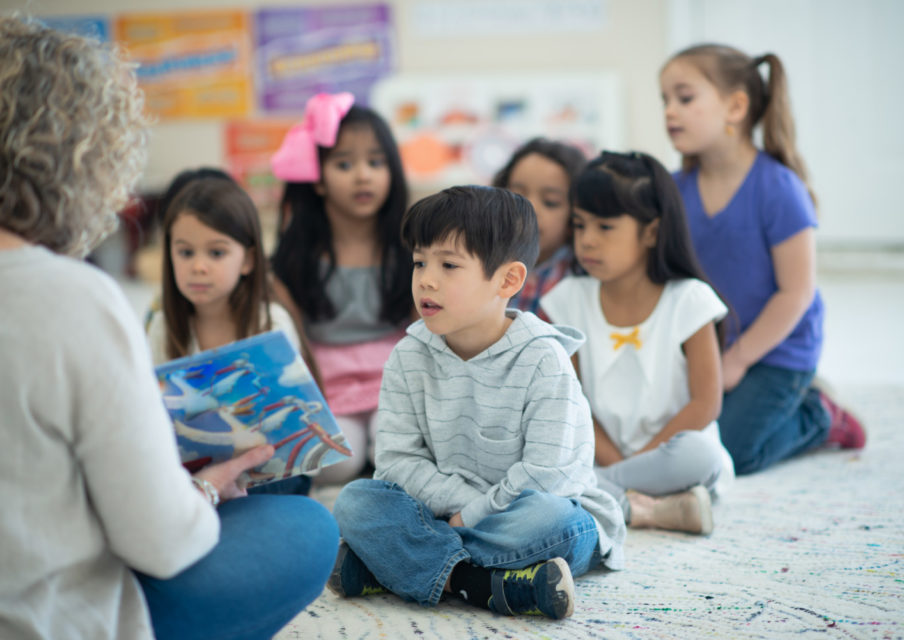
point(626, 338)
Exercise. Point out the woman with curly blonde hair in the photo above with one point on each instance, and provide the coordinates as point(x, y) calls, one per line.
point(104, 534)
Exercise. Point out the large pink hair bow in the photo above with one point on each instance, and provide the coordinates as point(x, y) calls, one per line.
point(296, 160)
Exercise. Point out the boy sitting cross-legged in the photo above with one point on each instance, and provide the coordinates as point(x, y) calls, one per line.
point(484, 484)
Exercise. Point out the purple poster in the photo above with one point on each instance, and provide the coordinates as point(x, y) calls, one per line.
point(304, 51)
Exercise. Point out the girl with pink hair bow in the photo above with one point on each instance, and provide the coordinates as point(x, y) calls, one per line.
point(339, 261)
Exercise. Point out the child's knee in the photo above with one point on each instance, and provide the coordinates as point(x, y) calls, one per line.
point(696, 453)
point(538, 510)
point(353, 499)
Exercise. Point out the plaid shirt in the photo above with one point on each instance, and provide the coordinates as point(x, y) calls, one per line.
point(543, 278)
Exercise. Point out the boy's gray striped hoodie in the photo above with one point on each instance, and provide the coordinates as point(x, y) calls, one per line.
point(469, 436)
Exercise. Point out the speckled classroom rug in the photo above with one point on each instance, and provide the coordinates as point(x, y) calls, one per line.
point(811, 548)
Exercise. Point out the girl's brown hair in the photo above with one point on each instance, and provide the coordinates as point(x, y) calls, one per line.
point(731, 70)
point(224, 206)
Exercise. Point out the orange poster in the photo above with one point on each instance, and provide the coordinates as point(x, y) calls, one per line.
point(192, 64)
point(248, 147)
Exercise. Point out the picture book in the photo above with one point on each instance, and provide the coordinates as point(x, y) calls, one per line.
point(251, 392)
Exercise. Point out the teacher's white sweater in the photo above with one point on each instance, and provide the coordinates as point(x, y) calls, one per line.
point(90, 479)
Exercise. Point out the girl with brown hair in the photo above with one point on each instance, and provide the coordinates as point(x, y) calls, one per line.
point(752, 218)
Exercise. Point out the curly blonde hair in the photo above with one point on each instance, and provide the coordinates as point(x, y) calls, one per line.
point(73, 136)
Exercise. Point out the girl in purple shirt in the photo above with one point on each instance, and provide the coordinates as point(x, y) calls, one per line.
point(752, 219)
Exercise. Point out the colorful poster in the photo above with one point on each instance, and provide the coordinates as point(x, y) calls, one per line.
point(192, 64)
point(248, 147)
point(304, 51)
point(462, 129)
point(88, 26)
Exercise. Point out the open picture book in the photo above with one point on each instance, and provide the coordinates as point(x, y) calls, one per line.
point(251, 392)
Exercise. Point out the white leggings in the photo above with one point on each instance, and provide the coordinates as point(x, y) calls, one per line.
point(687, 459)
point(359, 430)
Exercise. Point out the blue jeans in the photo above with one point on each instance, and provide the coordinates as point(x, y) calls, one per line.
point(771, 415)
point(274, 557)
point(299, 485)
point(411, 552)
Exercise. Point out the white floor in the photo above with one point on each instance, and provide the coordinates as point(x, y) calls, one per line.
point(864, 298)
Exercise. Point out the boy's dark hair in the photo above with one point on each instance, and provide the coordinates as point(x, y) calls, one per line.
point(569, 157)
point(493, 224)
point(305, 237)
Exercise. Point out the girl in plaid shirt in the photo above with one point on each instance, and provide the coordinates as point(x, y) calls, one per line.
point(542, 170)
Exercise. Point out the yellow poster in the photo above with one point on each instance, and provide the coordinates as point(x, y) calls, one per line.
point(192, 64)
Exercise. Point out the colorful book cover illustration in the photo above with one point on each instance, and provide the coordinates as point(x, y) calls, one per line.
point(251, 392)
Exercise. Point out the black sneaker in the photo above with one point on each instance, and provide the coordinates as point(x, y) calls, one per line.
point(543, 589)
point(351, 577)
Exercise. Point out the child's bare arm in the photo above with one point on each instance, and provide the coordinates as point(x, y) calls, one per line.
point(604, 451)
point(705, 385)
point(794, 262)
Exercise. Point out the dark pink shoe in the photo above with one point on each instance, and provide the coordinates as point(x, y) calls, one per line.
point(845, 431)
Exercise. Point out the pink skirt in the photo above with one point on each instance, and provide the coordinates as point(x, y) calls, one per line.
point(352, 372)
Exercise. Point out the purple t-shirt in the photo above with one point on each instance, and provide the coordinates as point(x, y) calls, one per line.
point(734, 248)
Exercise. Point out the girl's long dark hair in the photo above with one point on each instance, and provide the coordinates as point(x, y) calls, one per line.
point(305, 238)
point(636, 184)
point(222, 205)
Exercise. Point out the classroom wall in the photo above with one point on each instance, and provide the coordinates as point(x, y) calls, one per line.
point(841, 57)
point(631, 43)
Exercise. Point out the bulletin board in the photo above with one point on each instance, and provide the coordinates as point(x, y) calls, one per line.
point(302, 51)
point(249, 145)
point(191, 63)
point(87, 25)
point(462, 129)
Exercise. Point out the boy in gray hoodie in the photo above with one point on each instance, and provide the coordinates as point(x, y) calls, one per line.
point(484, 485)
